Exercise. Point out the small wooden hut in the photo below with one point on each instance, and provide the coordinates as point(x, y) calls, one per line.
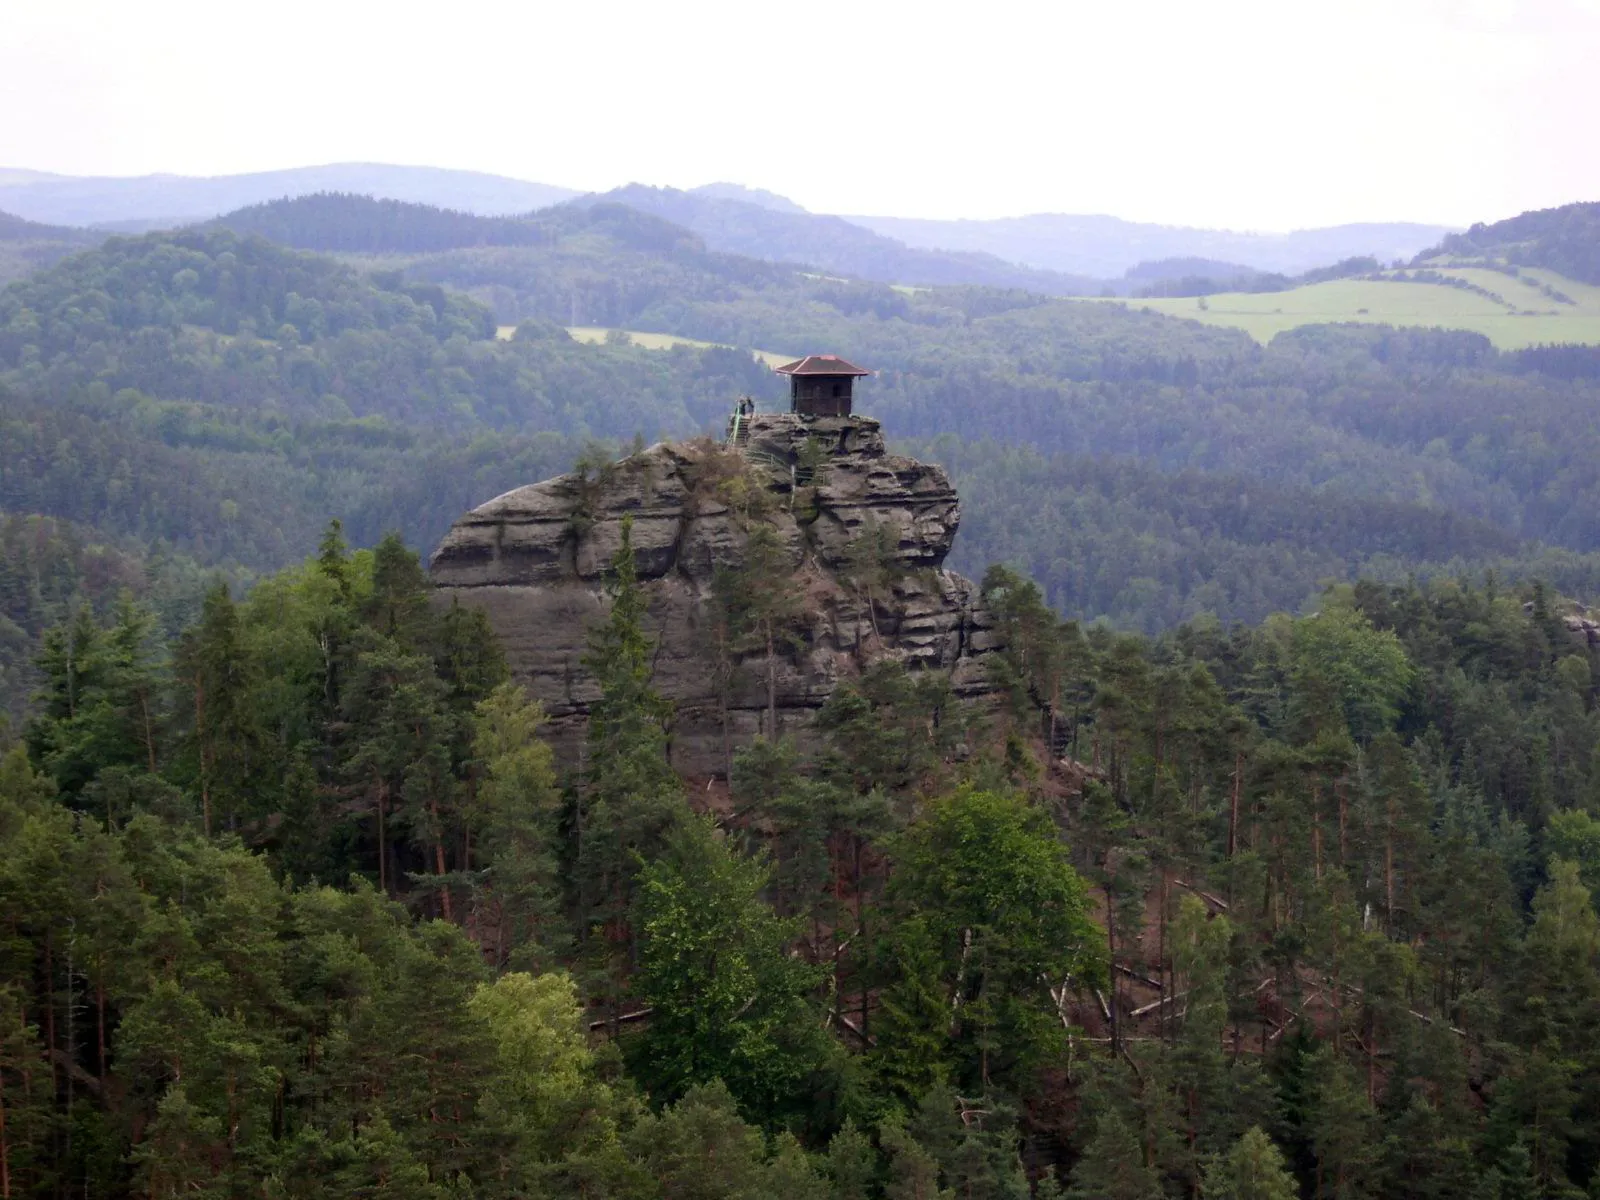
point(820, 385)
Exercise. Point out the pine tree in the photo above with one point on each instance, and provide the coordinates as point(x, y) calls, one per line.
point(397, 735)
point(1555, 1019)
point(133, 685)
point(913, 1051)
point(336, 617)
point(762, 605)
point(1345, 1132)
point(887, 732)
point(468, 656)
point(819, 835)
point(101, 704)
point(217, 676)
point(512, 832)
point(913, 1171)
point(1424, 1159)
point(25, 1115)
point(1252, 1170)
point(1198, 1070)
point(333, 560)
point(872, 564)
point(790, 811)
point(398, 604)
point(983, 1163)
point(791, 1172)
point(1397, 831)
point(1112, 1166)
point(852, 1164)
point(700, 1149)
point(630, 797)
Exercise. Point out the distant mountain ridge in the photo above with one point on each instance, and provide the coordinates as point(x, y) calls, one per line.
point(750, 195)
point(144, 200)
point(1104, 246)
point(1051, 253)
point(344, 223)
point(9, 175)
point(20, 229)
point(833, 244)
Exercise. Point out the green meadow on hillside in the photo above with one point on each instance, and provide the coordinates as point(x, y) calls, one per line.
point(1511, 311)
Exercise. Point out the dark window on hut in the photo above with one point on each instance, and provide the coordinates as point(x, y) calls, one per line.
point(838, 390)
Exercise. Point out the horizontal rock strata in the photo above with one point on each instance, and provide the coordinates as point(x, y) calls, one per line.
point(535, 560)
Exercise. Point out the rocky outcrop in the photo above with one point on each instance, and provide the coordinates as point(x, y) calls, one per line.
point(535, 559)
point(1580, 622)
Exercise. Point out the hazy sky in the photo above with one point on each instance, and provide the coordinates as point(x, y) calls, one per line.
point(1269, 115)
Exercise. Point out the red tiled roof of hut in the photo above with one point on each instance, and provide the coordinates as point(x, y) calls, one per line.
point(820, 364)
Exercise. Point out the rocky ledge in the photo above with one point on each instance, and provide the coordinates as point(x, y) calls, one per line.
point(534, 560)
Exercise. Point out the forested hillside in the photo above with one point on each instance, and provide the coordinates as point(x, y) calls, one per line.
point(50, 569)
point(219, 396)
point(214, 318)
point(342, 223)
point(1236, 885)
point(1308, 909)
point(1147, 549)
point(26, 246)
point(750, 195)
point(1565, 240)
point(216, 398)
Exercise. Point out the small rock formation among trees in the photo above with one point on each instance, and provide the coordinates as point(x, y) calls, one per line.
point(775, 566)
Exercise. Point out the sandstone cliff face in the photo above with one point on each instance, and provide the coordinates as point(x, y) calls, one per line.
point(534, 560)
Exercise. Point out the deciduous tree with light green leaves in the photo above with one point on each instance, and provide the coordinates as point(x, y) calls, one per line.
point(727, 999)
point(1364, 669)
point(543, 1098)
point(985, 879)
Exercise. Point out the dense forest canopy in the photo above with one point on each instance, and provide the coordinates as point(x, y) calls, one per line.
point(339, 222)
point(1306, 902)
point(210, 317)
point(18, 229)
point(28, 246)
